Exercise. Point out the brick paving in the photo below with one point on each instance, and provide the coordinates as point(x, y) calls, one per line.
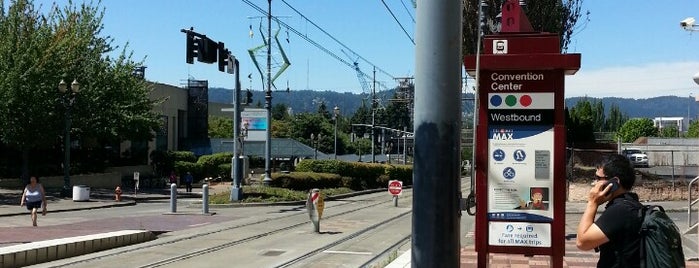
point(574, 258)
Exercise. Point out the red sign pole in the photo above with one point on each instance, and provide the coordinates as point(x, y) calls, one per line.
point(520, 174)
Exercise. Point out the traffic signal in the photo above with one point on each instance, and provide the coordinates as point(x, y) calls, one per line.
point(222, 57)
point(207, 50)
point(248, 97)
point(192, 48)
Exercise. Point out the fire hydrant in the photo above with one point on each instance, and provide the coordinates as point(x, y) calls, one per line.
point(117, 193)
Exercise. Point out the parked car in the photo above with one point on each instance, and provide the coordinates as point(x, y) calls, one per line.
point(637, 157)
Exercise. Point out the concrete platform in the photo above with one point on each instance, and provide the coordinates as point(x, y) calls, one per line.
point(55, 249)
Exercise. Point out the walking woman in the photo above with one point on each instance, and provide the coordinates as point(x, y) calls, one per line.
point(35, 198)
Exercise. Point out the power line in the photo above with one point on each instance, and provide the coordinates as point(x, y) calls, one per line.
point(396, 19)
point(259, 9)
point(407, 11)
point(338, 41)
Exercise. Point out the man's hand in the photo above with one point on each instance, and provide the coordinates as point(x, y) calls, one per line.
point(598, 193)
point(21, 204)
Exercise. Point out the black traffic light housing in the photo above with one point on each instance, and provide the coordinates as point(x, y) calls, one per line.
point(208, 49)
point(222, 57)
point(192, 48)
point(248, 97)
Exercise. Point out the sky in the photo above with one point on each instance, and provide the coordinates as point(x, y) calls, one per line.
point(630, 49)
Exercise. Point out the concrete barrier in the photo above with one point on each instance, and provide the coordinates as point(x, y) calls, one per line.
point(55, 249)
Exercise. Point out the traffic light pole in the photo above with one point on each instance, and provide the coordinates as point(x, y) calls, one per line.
point(208, 51)
point(237, 169)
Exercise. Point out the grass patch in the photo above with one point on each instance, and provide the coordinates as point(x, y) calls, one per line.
point(263, 194)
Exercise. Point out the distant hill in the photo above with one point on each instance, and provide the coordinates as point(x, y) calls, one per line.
point(307, 101)
point(665, 106)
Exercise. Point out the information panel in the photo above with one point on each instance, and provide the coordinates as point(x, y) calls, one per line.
point(520, 177)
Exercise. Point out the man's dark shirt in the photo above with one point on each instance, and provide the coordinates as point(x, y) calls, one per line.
point(620, 223)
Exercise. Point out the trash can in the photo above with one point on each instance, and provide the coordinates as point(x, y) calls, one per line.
point(81, 193)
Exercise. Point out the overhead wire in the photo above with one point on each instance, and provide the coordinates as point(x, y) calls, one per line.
point(336, 40)
point(259, 9)
point(407, 11)
point(397, 21)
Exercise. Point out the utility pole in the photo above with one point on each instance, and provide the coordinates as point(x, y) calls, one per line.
point(373, 117)
point(268, 99)
point(437, 125)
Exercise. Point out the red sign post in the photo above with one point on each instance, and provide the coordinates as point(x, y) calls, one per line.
point(395, 187)
point(520, 165)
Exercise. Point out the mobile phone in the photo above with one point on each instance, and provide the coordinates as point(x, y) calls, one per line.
point(615, 185)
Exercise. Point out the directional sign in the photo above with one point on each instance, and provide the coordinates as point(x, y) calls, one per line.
point(395, 187)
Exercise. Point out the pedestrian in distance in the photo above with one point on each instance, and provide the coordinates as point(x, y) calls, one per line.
point(188, 180)
point(173, 178)
point(34, 198)
point(615, 233)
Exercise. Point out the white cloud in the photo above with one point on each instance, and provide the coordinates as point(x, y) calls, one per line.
point(637, 82)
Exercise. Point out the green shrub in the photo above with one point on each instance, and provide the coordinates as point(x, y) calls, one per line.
point(357, 175)
point(185, 156)
point(182, 167)
point(303, 181)
point(210, 164)
point(399, 172)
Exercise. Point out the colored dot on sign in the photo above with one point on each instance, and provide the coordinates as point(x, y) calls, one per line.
point(495, 100)
point(525, 100)
point(511, 100)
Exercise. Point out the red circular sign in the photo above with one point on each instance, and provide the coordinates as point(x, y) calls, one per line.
point(395, 187)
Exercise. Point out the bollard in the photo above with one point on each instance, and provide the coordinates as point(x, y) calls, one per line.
point(315, 205)
point(395, 201)
point(205, 198)
point(173, 198)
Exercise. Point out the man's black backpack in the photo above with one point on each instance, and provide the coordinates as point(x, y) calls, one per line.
point(660, 239)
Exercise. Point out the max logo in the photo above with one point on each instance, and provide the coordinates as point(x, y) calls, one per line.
point(503, 134)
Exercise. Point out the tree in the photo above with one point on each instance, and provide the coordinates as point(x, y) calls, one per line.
point(554, 16)
point(598, 117)
point(669, 132)
point(636, 128)
point(220, 127)
point(280, 111)
point(616, 119)
point(66, 44)
point(581, 122)
point(693, 130)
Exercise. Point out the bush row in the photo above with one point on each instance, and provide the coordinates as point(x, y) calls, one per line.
point(354, 175)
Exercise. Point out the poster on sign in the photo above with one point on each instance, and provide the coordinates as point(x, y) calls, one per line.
point(520, 177)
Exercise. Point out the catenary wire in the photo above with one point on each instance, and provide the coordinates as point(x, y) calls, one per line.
point(336, 40)
point(259, 9)
point(397, 21)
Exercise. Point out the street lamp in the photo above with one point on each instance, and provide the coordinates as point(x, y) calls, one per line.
point(336, 112)
point(69, 95)
point(315, 141)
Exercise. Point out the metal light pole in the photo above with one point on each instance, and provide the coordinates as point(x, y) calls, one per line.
point(336, 112)
point(268, 99)
point(68, 101)
point(436, 175)
point(315, 140)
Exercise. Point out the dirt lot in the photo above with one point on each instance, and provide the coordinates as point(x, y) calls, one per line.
point(648, 187)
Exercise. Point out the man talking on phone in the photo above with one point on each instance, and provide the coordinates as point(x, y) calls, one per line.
point(615, 232)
